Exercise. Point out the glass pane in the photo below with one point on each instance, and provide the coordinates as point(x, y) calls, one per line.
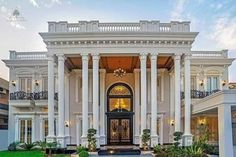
point(125, 132)
point(22, 131)
point(209, 88)
point(29, 131)
point(120, 104)
point(119, 90)
point(45, 84)
point(29, 85)
point(22, 84)
point(114, 130)
point(45, 128)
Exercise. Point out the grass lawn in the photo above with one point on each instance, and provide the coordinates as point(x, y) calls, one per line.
point(33, 153)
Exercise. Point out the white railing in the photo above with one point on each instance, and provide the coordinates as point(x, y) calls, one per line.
point(96, 26)
point(210, 54)
point(28, 55)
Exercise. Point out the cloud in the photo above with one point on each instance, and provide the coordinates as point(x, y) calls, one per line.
point(177, 11)
point(3, 9)
point(34, 3)
point(224, 32)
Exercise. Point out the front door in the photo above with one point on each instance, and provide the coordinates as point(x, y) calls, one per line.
point(120, 131)
point(119, 114)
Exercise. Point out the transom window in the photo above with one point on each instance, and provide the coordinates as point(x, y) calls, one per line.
point(212, 83)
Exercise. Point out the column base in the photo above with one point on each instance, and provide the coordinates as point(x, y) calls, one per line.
point(136, 139)
point(97, 141)
point(61, 140)
point(51, 139)
point(187, 140)
point(102, 139)
point(154, 140)
point(84, 141)
point(67, 139)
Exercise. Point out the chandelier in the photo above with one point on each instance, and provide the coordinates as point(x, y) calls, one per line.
point(119, 72)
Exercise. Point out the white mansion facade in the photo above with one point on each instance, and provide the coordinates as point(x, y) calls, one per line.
point(119, 78)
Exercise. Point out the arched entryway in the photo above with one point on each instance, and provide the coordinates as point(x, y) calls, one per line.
point(119, 114)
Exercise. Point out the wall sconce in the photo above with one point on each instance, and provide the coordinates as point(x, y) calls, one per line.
point(223, 83)
point(172, 122)
point(36, 83)
point(201, 83)
point(67, 124)
point(13, 83)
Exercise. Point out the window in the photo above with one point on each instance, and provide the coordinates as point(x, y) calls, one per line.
point(212, 83)
point(45, 128)
point(26, 84)
point(26, 131)
point(193, 83)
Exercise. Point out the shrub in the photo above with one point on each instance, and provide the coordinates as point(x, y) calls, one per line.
point(177, 138)
point(28, 146)
point(41, 144)
point(80, 149)
point(145, 138)
point(91, 139)
point(13, 146)
point(83, 153)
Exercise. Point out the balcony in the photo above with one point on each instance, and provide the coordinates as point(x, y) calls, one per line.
point(197, 94)
point(23, 99)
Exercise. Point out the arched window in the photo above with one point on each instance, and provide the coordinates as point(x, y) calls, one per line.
point(120, 98)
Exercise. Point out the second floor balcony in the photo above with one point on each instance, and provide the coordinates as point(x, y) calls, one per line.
point(24, 99)
point(197, 94)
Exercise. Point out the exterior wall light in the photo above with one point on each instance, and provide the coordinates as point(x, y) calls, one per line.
point(36, 82)
point(172, 122)
point(202, 121)
point(13, 83)
point(201, 83)
point(223, 83)
point(67, 124)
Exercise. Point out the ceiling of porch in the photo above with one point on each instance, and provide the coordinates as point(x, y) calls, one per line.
point(110, 63)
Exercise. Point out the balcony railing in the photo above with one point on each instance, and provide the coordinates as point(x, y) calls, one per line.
point(197, 94)
point(141, 26)
point(21, 95)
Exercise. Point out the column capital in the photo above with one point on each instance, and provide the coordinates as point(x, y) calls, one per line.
point(187, 56)
point(177, 56)
point(143, 56)
point(84, 56)
point(136, 70)
point(50, 57)
point(153, 56)
point(102, 71)
point(61, 57)
point(95, 56)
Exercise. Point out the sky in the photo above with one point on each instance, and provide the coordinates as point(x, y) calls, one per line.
point(215, 20)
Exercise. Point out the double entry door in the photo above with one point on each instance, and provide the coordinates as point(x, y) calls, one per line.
point(120, 130)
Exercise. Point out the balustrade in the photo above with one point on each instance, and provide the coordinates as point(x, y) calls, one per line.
point(21, 95)
point(197, 94)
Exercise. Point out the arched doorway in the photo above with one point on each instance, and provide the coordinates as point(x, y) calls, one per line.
point(119, 114)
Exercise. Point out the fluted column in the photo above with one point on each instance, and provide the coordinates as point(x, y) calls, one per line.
point(51, 102)
point(61, 100)
point(137, 104)
point(102, 106)
point(177, 58)
point(143, 62)
point(85, 59)
point(154, 137)
point(95, 58)
point(187, 101)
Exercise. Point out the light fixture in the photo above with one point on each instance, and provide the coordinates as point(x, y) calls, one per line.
point(13, 83)
point(36, 83)
point(223, 83)
point(202, 121)
point(201, 83)
point(172, 122)
point(119, 72)
point(67, 124)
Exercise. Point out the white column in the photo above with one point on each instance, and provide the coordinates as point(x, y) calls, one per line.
point(17, 130)
point(78, 130)
point(137, 105)
point(172, 106)
point(51, 102)
point(177, 93)
point(102, 106)
point(225, 130)
point(187, 101)
point(61, 100)
point(85, 59)
point(154, 137)
point(143, 59)
point(41, 129)
point(95, 58)
point(33, 129)
point(67, 107)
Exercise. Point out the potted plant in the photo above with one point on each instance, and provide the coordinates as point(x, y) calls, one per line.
point(177, 138)
point(145, 139)
point(92, 140)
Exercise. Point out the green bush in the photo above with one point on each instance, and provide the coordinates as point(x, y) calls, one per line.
point(28, 146)
point(41, 144)
point(177, 137)
point(13, 146)
point(145, 138)
point(83, 153)
point(80, 149)
point(91, 139)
